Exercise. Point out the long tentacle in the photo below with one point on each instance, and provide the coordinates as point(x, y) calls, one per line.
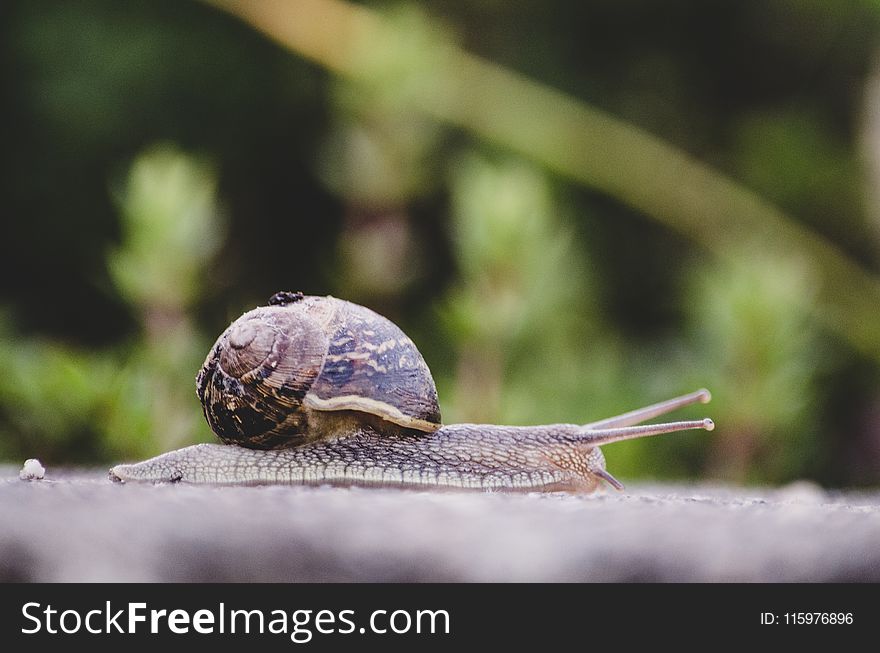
point(599, 437)
point(654, 410)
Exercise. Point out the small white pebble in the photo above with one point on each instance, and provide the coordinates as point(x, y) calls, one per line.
point(33, 470)
point(802, 492)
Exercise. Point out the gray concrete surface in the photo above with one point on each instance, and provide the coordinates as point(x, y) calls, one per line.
point(77, 526)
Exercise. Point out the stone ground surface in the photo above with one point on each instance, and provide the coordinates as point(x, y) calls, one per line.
point(78, 526)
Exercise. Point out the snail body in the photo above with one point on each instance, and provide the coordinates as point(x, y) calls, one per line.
point(317, 390)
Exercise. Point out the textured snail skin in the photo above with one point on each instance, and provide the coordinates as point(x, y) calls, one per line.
point(463, 456)
point(556, 457)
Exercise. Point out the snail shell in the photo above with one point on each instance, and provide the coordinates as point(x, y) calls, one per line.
point(277, 376)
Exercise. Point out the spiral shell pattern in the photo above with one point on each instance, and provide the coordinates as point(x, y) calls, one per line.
point(279, 367)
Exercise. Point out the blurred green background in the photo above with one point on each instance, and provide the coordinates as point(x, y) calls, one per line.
point(167, 166)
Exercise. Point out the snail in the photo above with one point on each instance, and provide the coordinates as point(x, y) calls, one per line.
point(318, 390)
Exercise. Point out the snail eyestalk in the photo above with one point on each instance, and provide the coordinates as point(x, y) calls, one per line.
point(640, 415)
point(600, 437)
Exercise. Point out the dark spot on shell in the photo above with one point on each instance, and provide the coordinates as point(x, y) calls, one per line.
point(228, 385)
point(295, 390)
point(221, 420)
point(242, 423)
point(285, 297)
point(337, 372)
point(206, 373)
point(433, 417)
point(200, 384)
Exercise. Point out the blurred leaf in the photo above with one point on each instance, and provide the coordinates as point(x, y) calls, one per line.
point(518, 311)
point(171, 228)
point(62, 404)
point(762, 356)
